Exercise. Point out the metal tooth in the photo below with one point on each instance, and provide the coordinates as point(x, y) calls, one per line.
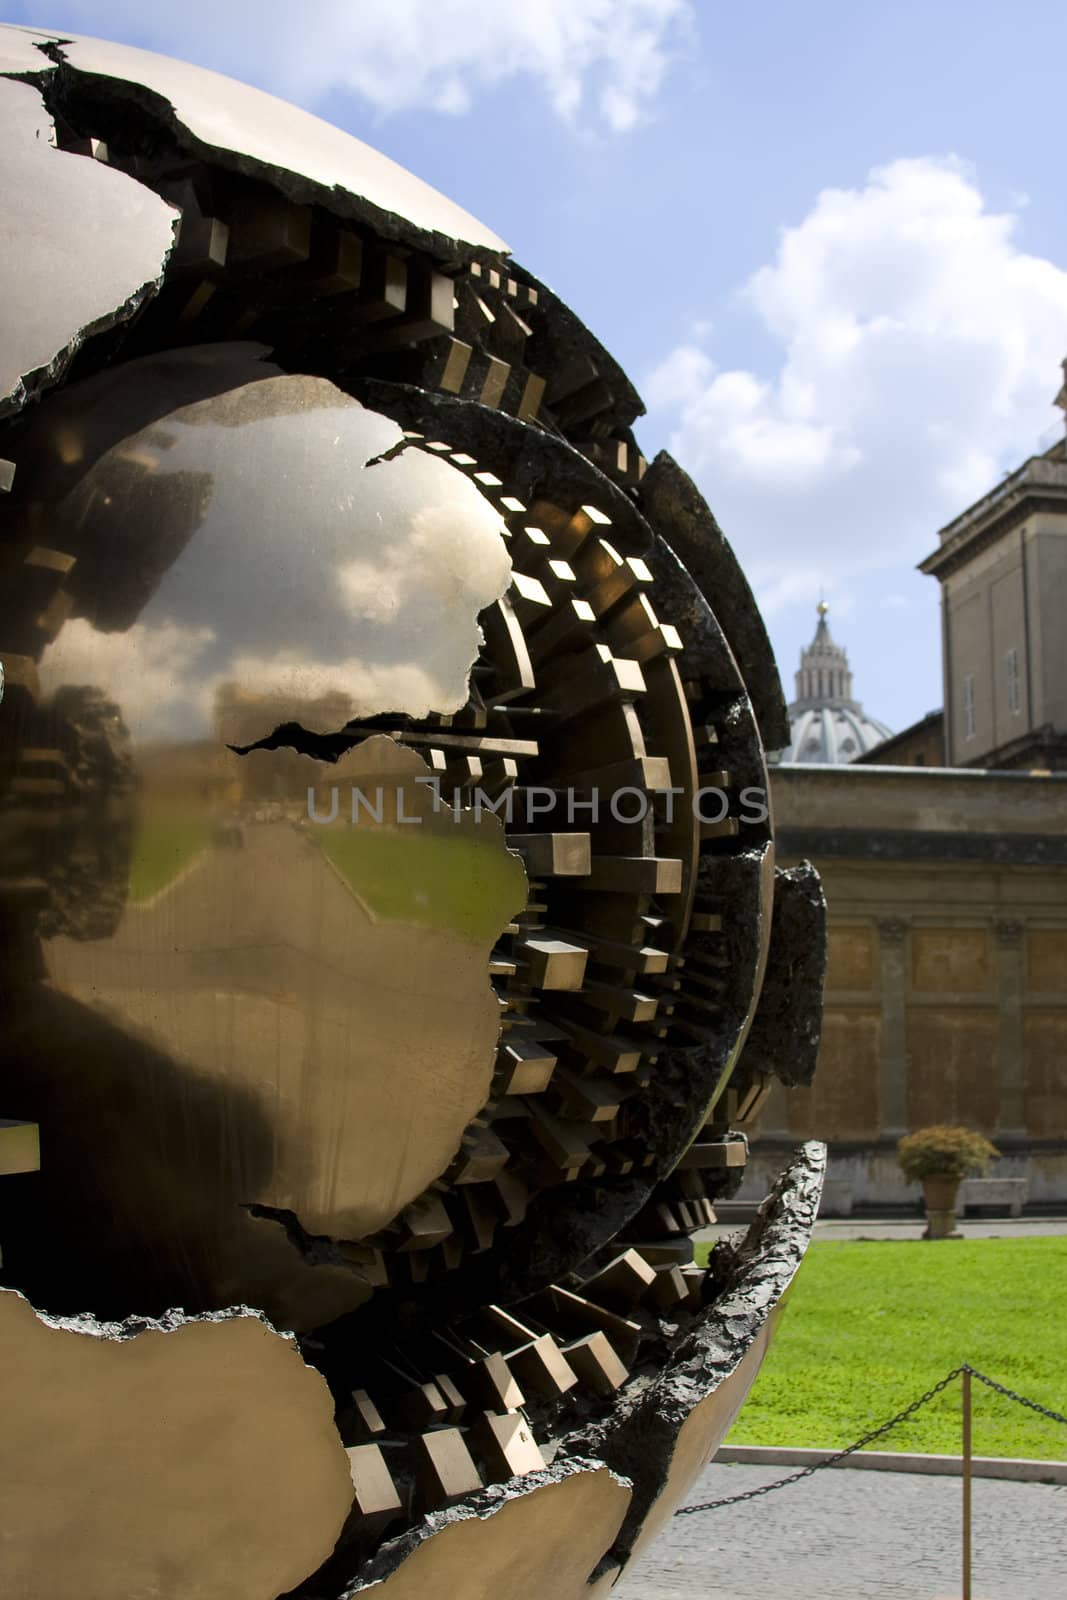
point(552, 963)
point(617, 1054)
point(636, 874)
point(616, 1001)
point(366, 1416)
point(488, 1381)
point(591, 1099)
point(444, 1469)
point(721, 1155)
point(422, 1406)
point(548, 855)
point(428, 309)
point(596, 1361)
point(523, 1067)
point(669, 1287)
point(425, 1223)
point(481, 1217)
point(542, 1368)
point(20, 1147)
point(574, 1313)
point(505, 1445)
point(622, 1283)
point(269, 232)
point(728, 828)
point(563, 1142)
point(643, 959)
point(482, 1157)
point(568, 530)
point(376, 1502)
point(580, 684)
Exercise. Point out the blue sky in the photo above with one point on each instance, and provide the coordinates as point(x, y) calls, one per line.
point(826, 240)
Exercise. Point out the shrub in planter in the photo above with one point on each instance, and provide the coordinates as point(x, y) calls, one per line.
point(944, 1152)
point(939, 1158)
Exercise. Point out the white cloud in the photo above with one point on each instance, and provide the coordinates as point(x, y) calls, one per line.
point(920, 348)
point(292, 682)
point(151, 673)
point(680, 379)
point(400, 55)
point(372, 608)
point(445, 549)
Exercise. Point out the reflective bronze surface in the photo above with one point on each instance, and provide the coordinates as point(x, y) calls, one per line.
point(320, 496)
point(241, 564)
point(289, 1013)
point(240, 1501)
point(118, 233)
point(235, 117)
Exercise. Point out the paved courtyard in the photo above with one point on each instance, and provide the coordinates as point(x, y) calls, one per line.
point(847, 1535)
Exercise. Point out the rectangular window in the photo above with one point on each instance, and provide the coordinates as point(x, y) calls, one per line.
point(969, 723)
point(1014, 693)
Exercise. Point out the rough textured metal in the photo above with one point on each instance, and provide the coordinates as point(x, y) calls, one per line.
point(677, 510)
point(783, 1041)
point(664, 1437)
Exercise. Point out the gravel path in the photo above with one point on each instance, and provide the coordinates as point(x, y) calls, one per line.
point(846, 1535)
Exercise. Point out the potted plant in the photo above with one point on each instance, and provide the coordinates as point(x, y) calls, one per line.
point(940, 1158)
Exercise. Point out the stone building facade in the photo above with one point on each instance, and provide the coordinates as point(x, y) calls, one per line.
point(946, 990)
point(1002, 566)
point(943, 853)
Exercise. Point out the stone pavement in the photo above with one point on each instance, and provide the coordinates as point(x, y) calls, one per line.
point(845, 1535)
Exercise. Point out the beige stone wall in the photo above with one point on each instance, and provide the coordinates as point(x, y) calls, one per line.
point(946, 991)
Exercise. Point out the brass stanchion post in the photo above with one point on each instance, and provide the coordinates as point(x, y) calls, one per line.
point(966, 1483)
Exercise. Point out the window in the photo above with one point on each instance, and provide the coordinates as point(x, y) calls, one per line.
point(1014, 693)
point(969, 723)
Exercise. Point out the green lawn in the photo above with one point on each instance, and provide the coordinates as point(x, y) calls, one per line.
point(456, 884)
point(868, 1327)
point(160, 851)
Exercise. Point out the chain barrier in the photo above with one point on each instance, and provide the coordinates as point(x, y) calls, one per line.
point(991, 1383)
point(875, 1433)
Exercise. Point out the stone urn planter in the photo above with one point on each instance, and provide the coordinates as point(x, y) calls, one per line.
point(940, 1158)
point(939, 1196)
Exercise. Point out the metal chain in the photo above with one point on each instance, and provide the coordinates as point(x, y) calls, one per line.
point(818, 1466)
point(875, 1433)
point(991, 1383)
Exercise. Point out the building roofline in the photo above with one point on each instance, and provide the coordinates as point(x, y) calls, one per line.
point(986, 519)
point(867, 759)
point(868, 771)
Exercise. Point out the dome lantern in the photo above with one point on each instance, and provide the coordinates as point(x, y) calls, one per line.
point(827, 724)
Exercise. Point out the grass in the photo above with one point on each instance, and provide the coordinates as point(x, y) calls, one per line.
point(870, 1326)
point(457, 885)
point(160, 852)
